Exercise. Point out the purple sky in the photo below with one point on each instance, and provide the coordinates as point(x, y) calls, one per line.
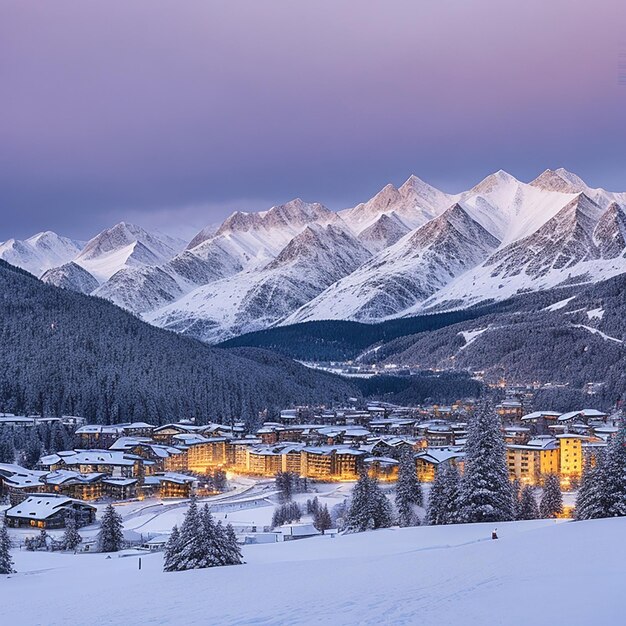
point(178, 112)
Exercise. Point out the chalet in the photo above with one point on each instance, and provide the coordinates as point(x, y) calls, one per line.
point(540, 420)
point(585, 415)
point(49, 511)
point(510, 409)
point(172, 485)
point(426, 462)
point(74, 484)
point(381, 467)
point(111, 462)
point(120, 488)
point(16, 482)
point(97, 436)
point(165, 434)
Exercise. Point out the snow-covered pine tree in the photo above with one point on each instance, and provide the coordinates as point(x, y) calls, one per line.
point(215, 539)
point(192, 553)
point(517, 497)
point(589, 497)
point(234, 551)
point(551, 503)
point(6, 560)
point(486, 492)
point(452, 491)
point(613, 485)
point(71, 538)
point(434, 511)
point(369, 508)
point(33, 450)
point(7, 447)
point(408, 490)
point(170, 561)
point(110, 537)
point(443, 503)
point(527, 508)
point(322, 520)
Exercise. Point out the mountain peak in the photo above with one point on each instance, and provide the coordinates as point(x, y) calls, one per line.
point(493, 181)
point(559, 180)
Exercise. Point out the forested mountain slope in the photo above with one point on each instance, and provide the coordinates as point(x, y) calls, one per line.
point(65, 353)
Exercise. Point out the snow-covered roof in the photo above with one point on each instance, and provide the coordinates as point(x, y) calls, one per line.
point(565, 417)
point(42, 506)
point(59, 477)
point(98, 457)
point(535, 415)
point(90, 429)
point(439, 455)
point(18, 476)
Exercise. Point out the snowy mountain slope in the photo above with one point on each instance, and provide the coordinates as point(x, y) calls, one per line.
point(523, 236)
point(71, 276)
point(573, 571)
point(257, 298)
point(40, 252)
point(243, 241)
point(254, 239)
point(384, 232)
point(414, 203)
point(125, 245)
point(580, 244)
point(510, 209)
point(408, 272)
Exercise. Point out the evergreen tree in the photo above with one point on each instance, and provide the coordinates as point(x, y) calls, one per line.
point(486, 492)
point(551, 503)
point(369, 508)
point(192, 539)
point(33, 450)
point(71, 538)
point(443, 503)
point(7, 448)
point(41, 542)
point(234, 551)
point(408, 490)
point(322, 520)
point(213, 540)
point(517, 497)
point(613, 476)
point(6, 560)
point(110, 537)
point(589, 497)
point(527, 508)
point(171, 560)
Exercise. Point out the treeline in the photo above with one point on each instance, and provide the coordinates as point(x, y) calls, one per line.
point(62, 353)
point(336, 340)
point(439, 387)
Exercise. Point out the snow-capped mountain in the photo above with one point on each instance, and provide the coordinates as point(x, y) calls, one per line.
point(406, 273)
point(257, 298)
point(408, 250)
point(40, 252)
point(125, 245)
point(71, 276)
point(414, 203)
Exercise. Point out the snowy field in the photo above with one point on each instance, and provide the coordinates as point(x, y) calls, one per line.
point(538, 572)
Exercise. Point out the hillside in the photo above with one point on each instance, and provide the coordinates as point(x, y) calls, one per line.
point(331, 340)
point(577, 340)
point(541, 572)
point(66, 353)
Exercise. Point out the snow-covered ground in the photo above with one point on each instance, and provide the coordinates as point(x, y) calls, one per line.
point(539, 572)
